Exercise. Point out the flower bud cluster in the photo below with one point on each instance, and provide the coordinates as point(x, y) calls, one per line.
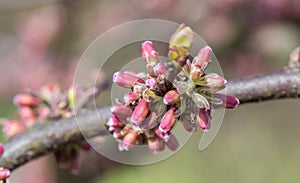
point(155, 104)
point(49, 103)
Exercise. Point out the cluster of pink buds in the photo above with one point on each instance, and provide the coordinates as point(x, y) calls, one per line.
point(4, 173)
point(49, 103)
point(178, 91)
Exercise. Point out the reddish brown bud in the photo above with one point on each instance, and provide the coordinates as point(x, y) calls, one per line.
point(203, 119)
point(121, 111)
point(13, 128)
point(24, 99)
point(228, 101)
point(126, 80)
point(4, 173)
point(129, 140)
point(168, 120)
point(171, 97)
point(140, 112)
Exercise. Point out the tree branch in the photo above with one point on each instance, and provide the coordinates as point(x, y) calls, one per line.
point(46, 138)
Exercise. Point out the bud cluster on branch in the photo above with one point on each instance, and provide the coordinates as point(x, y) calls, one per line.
point(176, 91)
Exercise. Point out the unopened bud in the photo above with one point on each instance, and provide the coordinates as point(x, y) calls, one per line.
point(172, 143)
point(163, 135)
point(27, 114)
point(160, 69)
point(140, 112)
point(203, 58)
point(228, 101)
point(149, 53)
point(114, 122)
point(126, 80)
point(168, 120)
point(24, 99)
point(171, 97)
point(131, 97)
point(195, 73)
point(13, 128)
point(121, 111)
point(180, 42)
point(129, 140)
point(214, 80)
point(44, 112)
point(203, 119)
point(4, 173)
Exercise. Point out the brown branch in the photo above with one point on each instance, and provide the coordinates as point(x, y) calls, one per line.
point(46, 138)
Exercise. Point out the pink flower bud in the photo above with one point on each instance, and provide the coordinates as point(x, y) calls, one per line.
point(140, 112)
point(160, 69)
point(4, 173)
point(229, 102)
point(155, 145)
point(44, 112)
point(114, 122)
point(172, 143)
point(164, 136)
point(149, 53)
point(23, 99)
point(203, 119)
point(168, 120)
point(1, 149)
point(121, 111)
point(131, 97)
point(171, 97)
point(215, 81)
point(126, 80)
point(129, 140)
point(27, 114)
point(202, 59)
point(13, 128)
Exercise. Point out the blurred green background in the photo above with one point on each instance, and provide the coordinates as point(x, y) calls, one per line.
point(41, 41)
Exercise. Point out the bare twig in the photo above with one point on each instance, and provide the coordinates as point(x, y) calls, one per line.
point(46, 138)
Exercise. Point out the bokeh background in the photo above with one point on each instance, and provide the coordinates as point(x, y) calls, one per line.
point(41, 41)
